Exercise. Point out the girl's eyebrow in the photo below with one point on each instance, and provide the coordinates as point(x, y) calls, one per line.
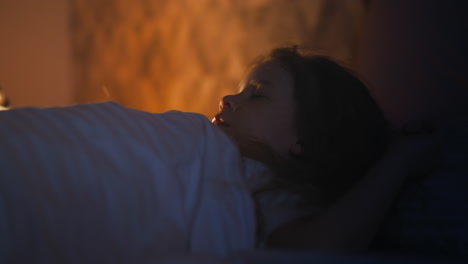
point(260, 82)
point(253, 82)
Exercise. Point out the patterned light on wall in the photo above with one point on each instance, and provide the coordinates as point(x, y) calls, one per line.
point(186, 54)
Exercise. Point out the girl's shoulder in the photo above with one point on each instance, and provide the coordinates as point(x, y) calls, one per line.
point(274, 207)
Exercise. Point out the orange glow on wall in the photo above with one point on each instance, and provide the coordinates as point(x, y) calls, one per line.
point(166, 54)
point(35, 52)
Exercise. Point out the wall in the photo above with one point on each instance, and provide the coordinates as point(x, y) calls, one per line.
point(414, 56)
point(35, 52)
point(186, 54)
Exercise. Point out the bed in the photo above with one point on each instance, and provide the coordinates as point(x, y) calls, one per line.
point(77, 183)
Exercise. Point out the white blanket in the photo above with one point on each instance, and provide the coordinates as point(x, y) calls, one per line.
point(102, 183)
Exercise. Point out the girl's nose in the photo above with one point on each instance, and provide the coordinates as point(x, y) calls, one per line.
point(227, 102)
point(221, 104)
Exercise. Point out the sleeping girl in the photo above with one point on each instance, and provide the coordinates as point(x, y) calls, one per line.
point(301, 157)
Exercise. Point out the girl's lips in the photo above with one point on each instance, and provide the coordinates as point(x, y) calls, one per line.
point(219, 121)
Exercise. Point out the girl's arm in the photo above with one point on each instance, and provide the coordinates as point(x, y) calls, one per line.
point(351, 223)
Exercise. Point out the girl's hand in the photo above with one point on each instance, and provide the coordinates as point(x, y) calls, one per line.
point(416, 149)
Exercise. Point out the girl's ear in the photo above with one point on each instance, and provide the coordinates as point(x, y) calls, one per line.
point(296, 149)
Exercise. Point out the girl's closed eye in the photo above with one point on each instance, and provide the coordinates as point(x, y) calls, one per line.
point(259, 90)
point(258, 94)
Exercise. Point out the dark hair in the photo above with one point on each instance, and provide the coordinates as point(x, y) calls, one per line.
point(341, 128)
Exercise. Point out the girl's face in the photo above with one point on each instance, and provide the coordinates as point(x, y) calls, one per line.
point(262, 112)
